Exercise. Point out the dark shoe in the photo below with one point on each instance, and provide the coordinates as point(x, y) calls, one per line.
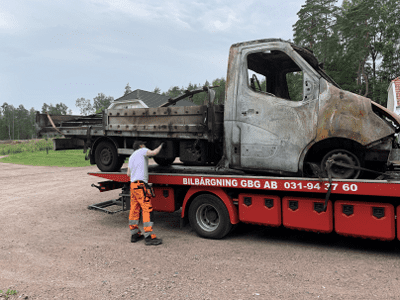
point(155, 241)
point(136, 237)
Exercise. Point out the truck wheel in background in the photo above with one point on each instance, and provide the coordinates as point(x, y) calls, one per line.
point(107, 157)
point(121, 161)
point(342, 156)
point(163, 161)
point(209, 217)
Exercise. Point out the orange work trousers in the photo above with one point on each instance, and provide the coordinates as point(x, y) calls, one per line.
point(140, 199)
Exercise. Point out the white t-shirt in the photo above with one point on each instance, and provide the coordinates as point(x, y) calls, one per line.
point(138, 164)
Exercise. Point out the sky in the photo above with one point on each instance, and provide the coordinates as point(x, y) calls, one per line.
point(54, 51)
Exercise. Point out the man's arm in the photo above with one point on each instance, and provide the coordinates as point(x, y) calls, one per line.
point(128, 172)
point(155, 151)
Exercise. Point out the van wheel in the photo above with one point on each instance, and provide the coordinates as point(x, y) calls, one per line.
point(345, 157)
point(107, 157)
point(209, 217)
point(163, 161)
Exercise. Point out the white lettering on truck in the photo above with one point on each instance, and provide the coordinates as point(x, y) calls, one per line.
point(271, 185)
point(225, 182)
point(210, 182)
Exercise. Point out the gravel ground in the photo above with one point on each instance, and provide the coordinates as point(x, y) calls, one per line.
point(53, 247)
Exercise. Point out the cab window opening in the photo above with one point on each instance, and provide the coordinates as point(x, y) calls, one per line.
point(274, 73)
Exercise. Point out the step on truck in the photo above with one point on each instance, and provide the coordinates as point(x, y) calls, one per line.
point(266, 128)
point(214, 203)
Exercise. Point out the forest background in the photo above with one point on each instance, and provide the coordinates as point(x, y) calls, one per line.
point(358, 44)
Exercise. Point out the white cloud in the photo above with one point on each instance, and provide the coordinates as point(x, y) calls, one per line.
point(220, 20)
point(227, 16)
point(139, 9)
point(8, 21)
point(110, 49)
point(173, 11)
point(68, 55)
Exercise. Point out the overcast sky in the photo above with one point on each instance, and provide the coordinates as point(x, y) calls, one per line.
point(54, 51)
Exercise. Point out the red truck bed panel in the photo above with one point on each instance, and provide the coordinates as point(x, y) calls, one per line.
point(264, 183)
point(367, 220)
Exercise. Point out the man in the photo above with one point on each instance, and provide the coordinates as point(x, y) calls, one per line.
point(140, 197)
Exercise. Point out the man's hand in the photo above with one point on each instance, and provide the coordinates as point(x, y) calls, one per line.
point(155, 151)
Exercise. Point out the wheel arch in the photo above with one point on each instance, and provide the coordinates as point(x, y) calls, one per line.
point(314, 152)
point(193, 192)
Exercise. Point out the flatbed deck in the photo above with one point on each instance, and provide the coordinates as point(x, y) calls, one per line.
point(213, 200)
point(210, 177)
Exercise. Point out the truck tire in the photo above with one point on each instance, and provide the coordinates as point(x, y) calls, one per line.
point(209, 217)
point(163, 161)
point(107, 157)
point(121, 161)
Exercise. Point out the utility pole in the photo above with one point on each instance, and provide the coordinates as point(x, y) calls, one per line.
point(13, 122)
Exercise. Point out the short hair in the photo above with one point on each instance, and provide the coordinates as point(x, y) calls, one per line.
point(137, 143)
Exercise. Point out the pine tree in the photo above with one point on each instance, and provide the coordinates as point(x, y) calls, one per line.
point(127, 89)
point(314, 27)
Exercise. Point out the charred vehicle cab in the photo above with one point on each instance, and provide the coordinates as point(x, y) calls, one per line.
point(317, 129)
point(273, 130)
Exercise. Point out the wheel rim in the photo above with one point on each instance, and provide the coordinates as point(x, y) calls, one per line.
point(207, 217)
point(106, 156)
point(346, 157)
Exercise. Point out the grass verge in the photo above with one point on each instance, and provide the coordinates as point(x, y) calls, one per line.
point(7, 294)
point(14, 147)
point(63, 158)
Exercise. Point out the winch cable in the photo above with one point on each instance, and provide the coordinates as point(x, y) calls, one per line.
point(340, 164)
point(330, 163)
point(317, 171)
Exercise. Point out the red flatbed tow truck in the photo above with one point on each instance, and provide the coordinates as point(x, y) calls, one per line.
point(213, 202)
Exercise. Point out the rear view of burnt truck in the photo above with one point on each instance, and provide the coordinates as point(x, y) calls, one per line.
point(261, 128)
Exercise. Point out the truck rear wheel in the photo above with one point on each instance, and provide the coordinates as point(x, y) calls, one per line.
point(163, 161)
point(209, 217)
point(107, 157)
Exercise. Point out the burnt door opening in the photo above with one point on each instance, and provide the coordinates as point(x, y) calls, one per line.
point(276, 110)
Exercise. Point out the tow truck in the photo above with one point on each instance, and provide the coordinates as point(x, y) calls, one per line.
point(213, 202)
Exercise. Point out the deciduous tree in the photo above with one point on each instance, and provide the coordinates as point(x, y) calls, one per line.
point(85, 106)
point(101, 102)
point(59, 109)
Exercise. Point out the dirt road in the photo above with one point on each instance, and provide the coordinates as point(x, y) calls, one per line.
point(53, 247)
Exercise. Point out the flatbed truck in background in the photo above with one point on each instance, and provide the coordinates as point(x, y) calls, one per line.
point(213, 202)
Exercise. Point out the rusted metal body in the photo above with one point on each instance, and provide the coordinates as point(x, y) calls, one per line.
point(268, 131)
point(186, 129)
point(164, 122)
point(263, 130)
point(347, 115)
point(187, 122)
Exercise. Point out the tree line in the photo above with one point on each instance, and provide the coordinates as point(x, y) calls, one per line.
point(358, 44)
point(19, 123)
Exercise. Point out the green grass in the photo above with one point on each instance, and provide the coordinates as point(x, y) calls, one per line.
point(8, 293)
point(63, 158)
point(30, 146)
